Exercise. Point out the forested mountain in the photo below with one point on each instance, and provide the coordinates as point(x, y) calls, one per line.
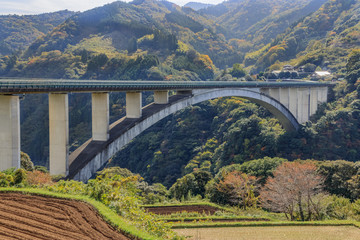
point(18, 32)
point(323, 38)
point(259, 21)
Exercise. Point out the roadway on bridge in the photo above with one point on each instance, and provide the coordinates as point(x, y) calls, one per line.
point(18, 86)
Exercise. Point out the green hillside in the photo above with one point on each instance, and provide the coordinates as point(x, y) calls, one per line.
point(323, 38)
point(18, 32)
point(258, 22)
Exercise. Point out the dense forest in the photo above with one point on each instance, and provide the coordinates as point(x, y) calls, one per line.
point(158, 40)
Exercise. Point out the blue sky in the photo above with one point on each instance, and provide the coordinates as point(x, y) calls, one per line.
point(42, 6)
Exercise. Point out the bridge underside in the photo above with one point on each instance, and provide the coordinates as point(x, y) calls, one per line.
point(93, 155)
point(291, 102)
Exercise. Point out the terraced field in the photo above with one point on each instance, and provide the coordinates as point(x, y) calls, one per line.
point(164, 210)
point(40, 217)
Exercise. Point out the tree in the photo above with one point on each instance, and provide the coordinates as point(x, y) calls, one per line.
point(237, 71)
point(193, 183)
point(26, 162)
point(309, 68)
point(337, 175)
point(292, 190)
point(132, 45)
point(239, 189)
point(262, 168)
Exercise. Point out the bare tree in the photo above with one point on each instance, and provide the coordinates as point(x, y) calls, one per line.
point(292, 190)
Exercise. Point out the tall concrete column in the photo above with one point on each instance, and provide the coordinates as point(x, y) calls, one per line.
point(303, 105)
point(284, 97)
point(161, 97)
point(100, 116)
point(313, 100)
point(9, 132)
point(293, 102)
point(133, 104)
point(322, 94)
point(59, 133)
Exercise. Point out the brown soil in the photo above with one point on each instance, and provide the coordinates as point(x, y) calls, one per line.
point(164, 210)
point(40, 217)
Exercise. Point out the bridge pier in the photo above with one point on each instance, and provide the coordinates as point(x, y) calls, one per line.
point(9, 132)
point(161, 97)
point(59, 133)
point(133, 104)
point(301, 102)
point(100, 116)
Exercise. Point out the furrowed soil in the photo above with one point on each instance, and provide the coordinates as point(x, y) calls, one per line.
point(41, 217)
point(164, 210)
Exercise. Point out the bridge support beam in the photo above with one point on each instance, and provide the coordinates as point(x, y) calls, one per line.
point(9, 132)
point(59, 133)
point(100, 116)
point(133, 104)
point(161, 97)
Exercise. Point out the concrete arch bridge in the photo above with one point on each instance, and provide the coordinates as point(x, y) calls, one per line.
point(291, 102)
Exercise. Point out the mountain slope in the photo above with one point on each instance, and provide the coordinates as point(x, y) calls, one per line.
point(18, 32)
point(259, 21)
point(323, 38)
point(120, 24)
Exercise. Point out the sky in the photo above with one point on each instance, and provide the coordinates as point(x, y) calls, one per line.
point(43, 6)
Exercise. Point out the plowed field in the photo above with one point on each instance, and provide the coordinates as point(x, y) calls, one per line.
point(40, 217)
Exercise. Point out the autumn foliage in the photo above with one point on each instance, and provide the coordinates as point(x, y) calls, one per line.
point(39, 178)
point(292, 190)
point(239, 189)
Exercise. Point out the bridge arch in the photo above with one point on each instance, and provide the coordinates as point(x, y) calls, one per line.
point(93, 155)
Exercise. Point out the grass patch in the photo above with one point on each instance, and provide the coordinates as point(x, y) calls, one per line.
point(107, 214)
point(266, 224)
point(220, 208)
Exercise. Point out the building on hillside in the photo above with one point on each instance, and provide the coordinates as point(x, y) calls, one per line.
point(320, 75)
point(288, 68)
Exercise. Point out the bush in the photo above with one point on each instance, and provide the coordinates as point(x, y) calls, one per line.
point(39, 178)
point(19, 176)
point(339, 208)
point(26, 162)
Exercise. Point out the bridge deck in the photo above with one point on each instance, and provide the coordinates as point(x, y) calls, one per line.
point(84, 154)
point(16, 86)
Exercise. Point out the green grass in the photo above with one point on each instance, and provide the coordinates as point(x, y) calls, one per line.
point(221, 208)
point(266, 224)
point(108, 215)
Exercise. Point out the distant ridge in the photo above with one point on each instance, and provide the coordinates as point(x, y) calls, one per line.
point(197, 5)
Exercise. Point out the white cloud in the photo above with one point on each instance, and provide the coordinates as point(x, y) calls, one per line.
point(43, 6)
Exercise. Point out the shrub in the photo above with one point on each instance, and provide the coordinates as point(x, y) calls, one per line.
point(26, 162)
point(339, 208)
point(39, 178)
point(19, 176)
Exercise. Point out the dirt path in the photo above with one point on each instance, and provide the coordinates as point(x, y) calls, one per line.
point(40, 217)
